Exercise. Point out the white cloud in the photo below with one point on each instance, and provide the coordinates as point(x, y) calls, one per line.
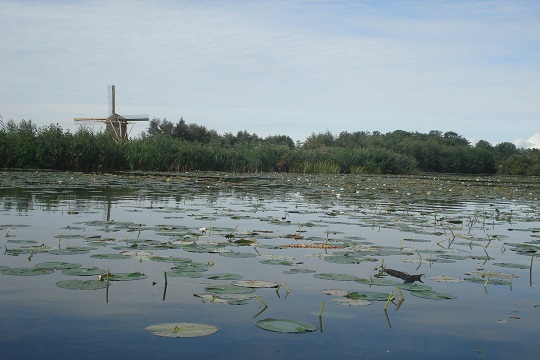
point(533, 142)
point(289, 67)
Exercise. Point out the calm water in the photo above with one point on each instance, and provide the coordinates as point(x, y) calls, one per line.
point(451, 229)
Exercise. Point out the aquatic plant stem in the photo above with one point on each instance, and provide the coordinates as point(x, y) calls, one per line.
point(321, 309)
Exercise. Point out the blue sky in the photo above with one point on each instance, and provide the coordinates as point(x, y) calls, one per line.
point(291, 67)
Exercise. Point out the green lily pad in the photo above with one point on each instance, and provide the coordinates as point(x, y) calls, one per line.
point(277, 262)
point(81, 284)
point(228, 289)
point(223, 276)
point(370, 296)
point(285, 326)
point(110, 256)
point(181, 330)
point(126, 276)
point(337, 277)
point(512, 266)
point(57, 265)
point(378, 281)
point(182, 273)
point(75, 250)
point(352, 302)
point(299, 271)
point(240, 255)
point(27, 271)
point(84, 271)
point(255, 283)
point(430, 294)
point(414, 286)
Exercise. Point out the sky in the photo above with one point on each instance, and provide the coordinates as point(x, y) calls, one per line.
point(279, 67)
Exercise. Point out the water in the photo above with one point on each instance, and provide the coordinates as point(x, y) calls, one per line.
point(452, 227)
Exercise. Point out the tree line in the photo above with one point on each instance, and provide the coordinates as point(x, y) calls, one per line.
point(166, 146)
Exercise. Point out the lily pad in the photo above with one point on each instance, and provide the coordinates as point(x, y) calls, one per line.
point(57, 265)
point(430, 294)
point(299, 271)
point(228, 289)
point(126, 276)
point(81, 284)
point(240, 255)
point(27, 271)
point(512, 266)
point(181, 330)
point(110, 256)
point(352, 302)
point(285, 326)
point(337, 277)
point(371, 296)
point(223, 276)
point(255, 283)
point(84, 271)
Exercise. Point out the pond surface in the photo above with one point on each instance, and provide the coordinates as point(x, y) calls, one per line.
point(322, 249)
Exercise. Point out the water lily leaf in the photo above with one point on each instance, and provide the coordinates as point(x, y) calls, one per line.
point(182, 273)
point(430, 294)
point(181, 330)
point(255, 283)
point(378, 281)
point(337, 277)
point(371, 296)
point(75, 250)
point(223, 276)
point(57, 265)
point(414, 286)
point(27, 271)
point(449, 279)
point(81, 284)
point(126, 276)
point(110, 256)
point(492, 281)
point(285, 326)
point(277, 262)
point(170, 259)
point(228, 289)
point(84, 271)
point(299, 271)
point(240, 255)
point(512, 266)
point(352, 302)
point(335, 292)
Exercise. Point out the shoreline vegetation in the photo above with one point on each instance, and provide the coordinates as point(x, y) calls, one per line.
point(189, 147)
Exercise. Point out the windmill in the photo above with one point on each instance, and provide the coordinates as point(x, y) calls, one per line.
point(115, 124)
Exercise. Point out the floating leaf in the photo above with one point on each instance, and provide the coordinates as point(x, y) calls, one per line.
point(240, 255)
point(228, 289)
point(430, 294)
point(223, 276)
point(378, 281)
point(335, 292)
point(352, 302)
point(84, 271)
point(372, 296)
point(110, 256)
point(285, 326)
point(57, 265)
point(299, 271)
point(126, 276)
point(512, 266)
point(255, 283)
point(81, 284)
point(337, 277)
point(181, 330)
point(27, 271)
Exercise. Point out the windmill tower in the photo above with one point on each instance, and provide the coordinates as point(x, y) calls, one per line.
point(114, 123)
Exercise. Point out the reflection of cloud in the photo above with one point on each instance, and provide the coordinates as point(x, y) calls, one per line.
point(531, 142)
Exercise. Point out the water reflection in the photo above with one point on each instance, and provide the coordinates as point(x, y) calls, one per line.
point(437, 227)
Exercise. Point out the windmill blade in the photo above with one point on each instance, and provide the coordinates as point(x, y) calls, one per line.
point(139, 117)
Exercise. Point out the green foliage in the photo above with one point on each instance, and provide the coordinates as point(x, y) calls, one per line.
point(187, 147)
